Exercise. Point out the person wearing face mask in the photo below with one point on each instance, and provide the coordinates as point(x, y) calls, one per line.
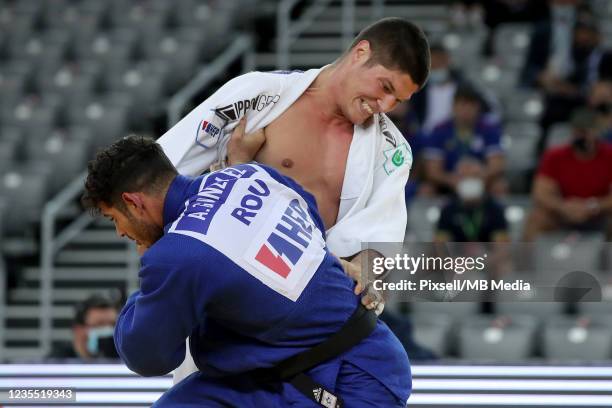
point(466, 134)
point(434, 104)
point(92, 332)
point(471, 215)
point(572, 189)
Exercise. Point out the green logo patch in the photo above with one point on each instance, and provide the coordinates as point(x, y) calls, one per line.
point(395, 158)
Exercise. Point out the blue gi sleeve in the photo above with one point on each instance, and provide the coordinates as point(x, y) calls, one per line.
point(153, 325)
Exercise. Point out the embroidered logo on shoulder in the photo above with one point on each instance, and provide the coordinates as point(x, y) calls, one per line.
point(208, 133)
point(384, 128)
point(395, 158)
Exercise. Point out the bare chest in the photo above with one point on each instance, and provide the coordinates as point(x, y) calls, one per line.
point(311, 151)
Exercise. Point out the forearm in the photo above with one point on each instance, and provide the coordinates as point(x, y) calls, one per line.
point(605, 204)
point(549, 201)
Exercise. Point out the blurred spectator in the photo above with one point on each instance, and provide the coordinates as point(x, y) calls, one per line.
point(572, 186)
point(472, 215)
point(550, 46)
point(600, 100)
point(466, 134)
point(565, 58)
point(434, 103)
point(92, 331)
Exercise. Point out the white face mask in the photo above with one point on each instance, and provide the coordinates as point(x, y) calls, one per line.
point(470, 189)
point(94, 337)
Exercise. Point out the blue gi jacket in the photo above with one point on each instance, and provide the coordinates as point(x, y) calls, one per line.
point(244, 271)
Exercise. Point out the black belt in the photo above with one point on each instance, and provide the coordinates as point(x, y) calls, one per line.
point(359, 326)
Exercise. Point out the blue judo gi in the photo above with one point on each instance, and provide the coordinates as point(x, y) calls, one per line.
point(243, 270)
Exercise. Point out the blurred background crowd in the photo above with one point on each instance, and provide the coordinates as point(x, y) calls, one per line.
point(511, 138)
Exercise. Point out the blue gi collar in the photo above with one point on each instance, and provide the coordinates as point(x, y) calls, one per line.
point(175, 198)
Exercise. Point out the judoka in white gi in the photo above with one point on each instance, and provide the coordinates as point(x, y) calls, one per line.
point(325, 128)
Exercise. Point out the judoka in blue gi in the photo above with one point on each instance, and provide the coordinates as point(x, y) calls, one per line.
point(236, 259)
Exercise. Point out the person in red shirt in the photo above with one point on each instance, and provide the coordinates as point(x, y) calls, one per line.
point(572, 185)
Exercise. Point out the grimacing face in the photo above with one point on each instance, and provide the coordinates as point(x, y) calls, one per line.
point(372, 89)
point(130, 224)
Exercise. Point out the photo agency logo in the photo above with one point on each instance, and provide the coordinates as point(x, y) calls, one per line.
point(487, 272)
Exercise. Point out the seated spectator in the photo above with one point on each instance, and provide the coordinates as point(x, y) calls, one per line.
point(466, 134)
point(567, 73)
point(472, 215)
point(572, 185)
point(550, 45)
point(92, 331)
point(433, 105)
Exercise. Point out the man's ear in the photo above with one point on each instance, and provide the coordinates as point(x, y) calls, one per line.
point(133, 201)
point(362, 51)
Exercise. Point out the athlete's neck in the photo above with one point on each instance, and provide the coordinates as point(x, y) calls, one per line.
point(325, 94)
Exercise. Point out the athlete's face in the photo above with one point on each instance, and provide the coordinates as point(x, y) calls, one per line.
point(370, 89)
point(131, 223)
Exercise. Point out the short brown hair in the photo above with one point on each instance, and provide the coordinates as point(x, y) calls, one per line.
point(132, 164)
point(398, 44)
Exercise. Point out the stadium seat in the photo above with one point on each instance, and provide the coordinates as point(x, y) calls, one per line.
point(107, 121)
point(30, 115)
point(499, 338)
point(112, 50)
point(423, 214)
point(145, 83)
point(434, 331)
point(564, 252)
point(70, 81)
point(450, 309)
point(601, 308)
point(66, 155)
point(516, 209)
point(494, 77)
point(48, 49)
point(172, 49)
point(541, 310)
point(510, 42)
point(8, 153)
point(577, 338)
point(522, 106)
point(143, 18)
point(25, 189)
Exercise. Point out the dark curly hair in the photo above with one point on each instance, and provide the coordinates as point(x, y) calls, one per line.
point(397, 44)
point(132, 164)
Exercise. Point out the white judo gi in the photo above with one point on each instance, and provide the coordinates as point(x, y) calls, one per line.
point(372, 201)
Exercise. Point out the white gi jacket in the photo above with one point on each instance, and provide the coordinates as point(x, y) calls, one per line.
point(372, 201)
